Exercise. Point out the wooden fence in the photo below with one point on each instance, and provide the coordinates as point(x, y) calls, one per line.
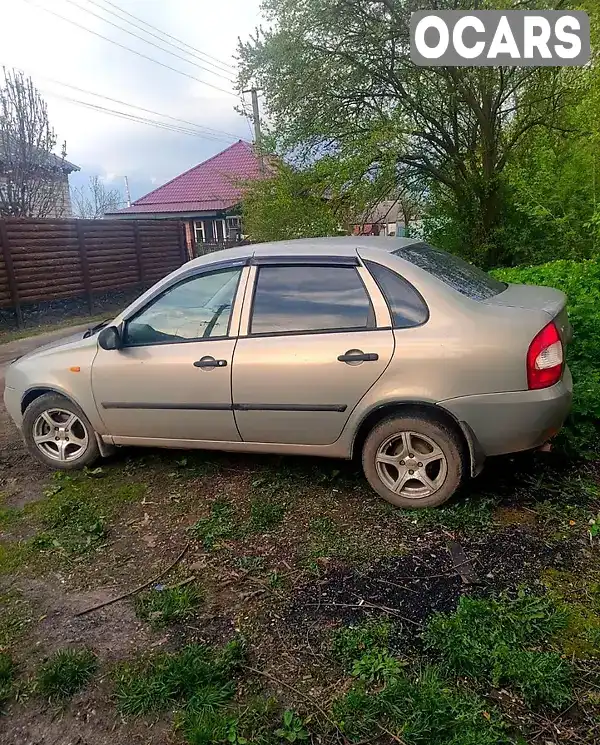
point(44, 260)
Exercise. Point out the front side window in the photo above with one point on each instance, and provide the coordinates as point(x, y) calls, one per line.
point(198, 308)
point(406, 305)
point(291, 299)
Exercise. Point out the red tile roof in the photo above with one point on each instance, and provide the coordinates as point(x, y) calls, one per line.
point(211, 185)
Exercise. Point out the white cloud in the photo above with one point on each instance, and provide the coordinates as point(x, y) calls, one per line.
point(50, 48)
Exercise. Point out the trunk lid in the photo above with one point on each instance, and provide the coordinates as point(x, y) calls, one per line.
point(533, 297)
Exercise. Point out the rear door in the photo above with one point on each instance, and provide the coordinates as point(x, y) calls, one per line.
point(314, 338)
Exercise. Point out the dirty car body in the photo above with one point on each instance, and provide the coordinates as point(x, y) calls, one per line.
point(384, 347)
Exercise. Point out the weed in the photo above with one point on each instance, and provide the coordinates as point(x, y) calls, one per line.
point(322, 526)
point(487, 640)
point(251, 563)
point(292, 727)
point(15, 616)
point(419, 711)
point(7, 675)
point(66, 673)
point(162, 607)
point(470, 514)
point(275, 580)
point(265, 515)
point(350, 644)
point(377, 667)
point(197, 676)
point(251, 725)
point(9, 516)
point(217, 526)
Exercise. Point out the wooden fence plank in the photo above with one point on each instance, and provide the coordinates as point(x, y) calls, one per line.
point(10, 274)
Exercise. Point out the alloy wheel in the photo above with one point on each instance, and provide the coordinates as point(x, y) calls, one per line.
point(411, 465)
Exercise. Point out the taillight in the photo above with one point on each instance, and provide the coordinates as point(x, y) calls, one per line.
point(545, 358)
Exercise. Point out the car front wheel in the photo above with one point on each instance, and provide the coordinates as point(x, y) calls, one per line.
point(59, 434)
point(413, 461)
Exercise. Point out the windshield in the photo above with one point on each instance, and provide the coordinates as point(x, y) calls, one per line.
point(466, 278)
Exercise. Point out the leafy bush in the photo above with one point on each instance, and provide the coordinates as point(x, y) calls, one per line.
point(580, 280)
point(488, 640)
point(66, 673)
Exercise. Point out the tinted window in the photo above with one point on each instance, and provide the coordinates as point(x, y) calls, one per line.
point(406, 305)
point(196, 309)
point(457, 273)
point(309, 298)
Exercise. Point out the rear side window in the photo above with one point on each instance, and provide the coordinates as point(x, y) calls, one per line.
point(405, 303)
point(296, 299)
point(467, 279)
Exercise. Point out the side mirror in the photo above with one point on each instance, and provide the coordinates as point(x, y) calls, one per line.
point(110, 338)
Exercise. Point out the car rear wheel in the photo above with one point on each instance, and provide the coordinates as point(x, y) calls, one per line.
point(413, 461)
point(59, 434)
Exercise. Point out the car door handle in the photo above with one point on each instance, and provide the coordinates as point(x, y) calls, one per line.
point(356, 355)
point(207, 362)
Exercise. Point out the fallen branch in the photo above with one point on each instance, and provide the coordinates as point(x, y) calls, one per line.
point(365, 604)
point(137, 589)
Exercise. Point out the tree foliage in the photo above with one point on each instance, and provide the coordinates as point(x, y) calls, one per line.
point(337, 77)
point(32, 178)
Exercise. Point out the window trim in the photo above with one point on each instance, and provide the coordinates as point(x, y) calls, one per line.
point(173, 286)
point(370, 262)
point(297, 261)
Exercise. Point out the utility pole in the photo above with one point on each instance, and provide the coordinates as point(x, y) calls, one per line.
point(257, 135)
point(127, 193)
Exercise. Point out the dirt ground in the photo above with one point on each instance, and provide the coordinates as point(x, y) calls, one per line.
point(301, 547)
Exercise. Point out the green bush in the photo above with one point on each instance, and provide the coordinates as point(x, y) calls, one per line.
point(580, 280)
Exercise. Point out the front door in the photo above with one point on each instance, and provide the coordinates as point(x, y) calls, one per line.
point(172, 378)
point(312, 351)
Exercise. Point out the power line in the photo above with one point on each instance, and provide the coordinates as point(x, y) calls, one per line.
point(129, 49)
point(138, 119)
point(202, 127)
point(147, 41)
point(170, 36)
point(142, 108)
point(180, 45)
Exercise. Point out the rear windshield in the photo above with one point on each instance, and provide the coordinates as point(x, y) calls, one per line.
point(457, 273)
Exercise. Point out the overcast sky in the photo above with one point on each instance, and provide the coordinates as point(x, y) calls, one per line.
point(50, 48)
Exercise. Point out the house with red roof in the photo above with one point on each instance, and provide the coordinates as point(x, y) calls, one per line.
point(207, 198)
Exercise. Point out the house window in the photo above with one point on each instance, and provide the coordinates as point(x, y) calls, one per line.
point(234, 228)
point(199, 232)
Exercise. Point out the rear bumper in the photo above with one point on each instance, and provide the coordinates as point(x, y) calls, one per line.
point(519, 420)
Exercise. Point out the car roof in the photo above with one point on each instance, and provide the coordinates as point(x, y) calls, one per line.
point(331, 246)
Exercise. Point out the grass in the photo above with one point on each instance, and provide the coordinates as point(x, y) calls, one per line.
point(15, 617)
point(419, 709)
point(265, 515)
point(8, 335)
point(7, 676)
point(350, 643)
point(66, 673)
point(498, 641)
point(197, 677)
point(72, 518)
point(218, 526)
point(168, 605)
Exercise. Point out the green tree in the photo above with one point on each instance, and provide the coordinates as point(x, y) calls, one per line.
point(335, 73)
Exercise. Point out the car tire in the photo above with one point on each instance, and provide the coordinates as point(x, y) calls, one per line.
point(58, 433)
point(420, 457)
